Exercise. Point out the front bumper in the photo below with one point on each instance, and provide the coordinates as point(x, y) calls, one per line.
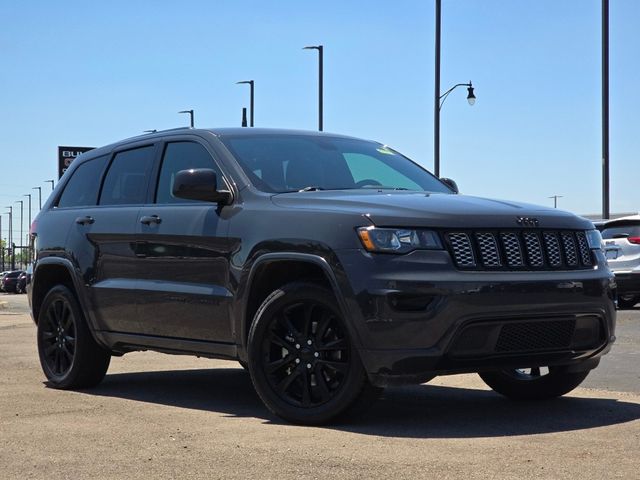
point(415, 316)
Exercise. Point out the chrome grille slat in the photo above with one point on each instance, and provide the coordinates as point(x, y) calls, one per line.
point(525, 249)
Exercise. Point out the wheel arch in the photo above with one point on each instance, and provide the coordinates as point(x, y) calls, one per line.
point(273, 270)
point(48, 272)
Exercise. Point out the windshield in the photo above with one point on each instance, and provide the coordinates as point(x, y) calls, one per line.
point(289, 163)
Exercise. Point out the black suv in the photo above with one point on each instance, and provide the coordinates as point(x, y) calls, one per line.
point(329, 266)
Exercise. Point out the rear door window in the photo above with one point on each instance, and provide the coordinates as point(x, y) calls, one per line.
point(127, 177)
point(82, 188)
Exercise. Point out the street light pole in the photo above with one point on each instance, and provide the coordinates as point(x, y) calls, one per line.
point(251, 84)
point(436, 96)
point(555, 200)
point(605, 109)
point(39, 197)
point(29, 243)
point(320, 49)
point(1, 245)
point(13, 251)
point(21, 202)
point(190, 112)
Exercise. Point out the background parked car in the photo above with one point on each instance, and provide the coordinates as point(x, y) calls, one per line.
point(23, 280)
point(622, 248)
point(9, 281)
point(2, 274)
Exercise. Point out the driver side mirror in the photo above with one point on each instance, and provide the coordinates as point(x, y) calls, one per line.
point(199, 184)
point(451, 184)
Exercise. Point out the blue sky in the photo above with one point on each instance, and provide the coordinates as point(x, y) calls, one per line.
point(89, 73)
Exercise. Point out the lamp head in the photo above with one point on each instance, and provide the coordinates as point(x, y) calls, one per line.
point(471, 98)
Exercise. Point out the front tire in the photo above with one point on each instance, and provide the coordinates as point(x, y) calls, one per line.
point(302, 360)
point(628, 301)
point(69, 355)
point(537, 383)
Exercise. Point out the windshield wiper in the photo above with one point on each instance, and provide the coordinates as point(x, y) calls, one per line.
point(310, 188)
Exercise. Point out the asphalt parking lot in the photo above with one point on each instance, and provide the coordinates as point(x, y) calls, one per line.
point(161, 416)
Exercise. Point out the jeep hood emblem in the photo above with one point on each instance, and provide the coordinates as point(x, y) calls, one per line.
point(527, 221)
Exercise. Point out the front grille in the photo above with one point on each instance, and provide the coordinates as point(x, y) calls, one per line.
point(535, 336)
point(520, 250)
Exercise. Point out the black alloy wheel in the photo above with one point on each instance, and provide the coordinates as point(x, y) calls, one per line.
point(306, 354)
point(301, 358)
point(58, 336)
point(534, 383)
point(69, 355)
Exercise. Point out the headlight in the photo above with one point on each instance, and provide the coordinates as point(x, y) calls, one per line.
point(594, 239)
point(398, 240)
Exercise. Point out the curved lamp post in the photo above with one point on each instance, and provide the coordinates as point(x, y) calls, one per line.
point(471, 98)
point(190, 112)
point(320, 50)
point(251, 84)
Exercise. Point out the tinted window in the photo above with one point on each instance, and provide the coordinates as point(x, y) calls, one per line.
point(622, 231)
point(126, 180)
point(285, 163)
point(82, 188)
point(182, 156)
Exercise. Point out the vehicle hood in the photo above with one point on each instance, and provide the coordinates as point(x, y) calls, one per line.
point(416, 209)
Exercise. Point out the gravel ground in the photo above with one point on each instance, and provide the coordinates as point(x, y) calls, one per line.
point(161, 416)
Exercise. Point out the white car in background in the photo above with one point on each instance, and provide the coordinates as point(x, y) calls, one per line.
point(621, 239)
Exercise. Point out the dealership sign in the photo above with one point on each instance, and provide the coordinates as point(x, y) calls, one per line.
point(66, 155)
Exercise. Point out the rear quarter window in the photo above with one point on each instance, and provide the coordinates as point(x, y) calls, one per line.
point(82, 188)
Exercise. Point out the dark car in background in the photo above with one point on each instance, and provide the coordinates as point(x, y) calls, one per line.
point(23, 280)
point(621, 239)
point(331, 267)
point(9, 281)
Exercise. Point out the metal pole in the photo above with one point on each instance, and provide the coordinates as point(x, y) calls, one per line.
point(13, 250)
point(190, 112)
point(1, 245)
point(605, 109)
point(28, 242)
point(251, 84)
point(39, 197)
point(436, 96)
point(244, 116)
point(320, 85)
point(21, 202)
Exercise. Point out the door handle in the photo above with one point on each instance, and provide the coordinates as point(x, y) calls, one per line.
point(85, 220)
point(149, 219)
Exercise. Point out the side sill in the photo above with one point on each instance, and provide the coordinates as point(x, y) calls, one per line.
point(129, 342)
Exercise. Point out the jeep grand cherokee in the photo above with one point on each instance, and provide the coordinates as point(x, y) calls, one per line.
point(329, 266)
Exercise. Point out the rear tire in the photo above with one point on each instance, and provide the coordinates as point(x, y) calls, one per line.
point(69, 355)
point(302, 360)
point(628, 301)
point(517, 384)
